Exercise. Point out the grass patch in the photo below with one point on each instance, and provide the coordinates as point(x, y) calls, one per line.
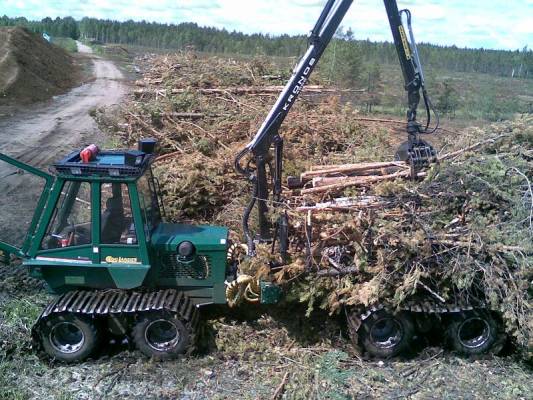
point(66, 43)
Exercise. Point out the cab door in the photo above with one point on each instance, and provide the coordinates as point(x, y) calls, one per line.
point(24, 191)
point(121, 247)
point(69, 230)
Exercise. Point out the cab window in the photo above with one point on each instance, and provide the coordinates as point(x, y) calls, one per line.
point(116, 220)
point(71, 222)
point(148, 202)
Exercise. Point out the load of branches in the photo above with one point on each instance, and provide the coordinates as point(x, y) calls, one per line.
point(461, 234)
point(362, 232)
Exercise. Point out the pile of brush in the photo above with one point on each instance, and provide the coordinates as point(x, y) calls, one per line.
point(462, 233)
point(203, 110)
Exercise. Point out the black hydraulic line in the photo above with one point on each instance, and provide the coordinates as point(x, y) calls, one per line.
point(278, 159)
point(245, 218)
point(262, 197)
point(430, 108)
point(418, 67)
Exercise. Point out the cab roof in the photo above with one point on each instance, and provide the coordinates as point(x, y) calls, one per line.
point(115, 164)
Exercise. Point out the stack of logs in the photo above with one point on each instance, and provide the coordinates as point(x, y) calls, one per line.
point(321, 179)
point(328, 178)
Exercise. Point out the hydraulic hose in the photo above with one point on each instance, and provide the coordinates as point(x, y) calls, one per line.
point(245, 219)
point(418, 66)
point(246, 215)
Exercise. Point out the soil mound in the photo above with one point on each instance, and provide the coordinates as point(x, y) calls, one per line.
point(31, 69)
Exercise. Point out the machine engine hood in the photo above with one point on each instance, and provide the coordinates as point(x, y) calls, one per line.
point(204, 237)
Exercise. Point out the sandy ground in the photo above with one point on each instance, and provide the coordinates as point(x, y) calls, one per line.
point(38, 135)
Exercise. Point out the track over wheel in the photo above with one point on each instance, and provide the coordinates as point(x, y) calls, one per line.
point(69, 337)
point(386, 335)
point(162, 335)
point(473, 332)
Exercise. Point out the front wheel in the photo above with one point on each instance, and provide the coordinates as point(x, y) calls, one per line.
point(162, 336)
point(69, 337)
point(386, 335)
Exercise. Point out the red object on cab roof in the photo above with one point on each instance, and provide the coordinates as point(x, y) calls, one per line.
point(89, 153)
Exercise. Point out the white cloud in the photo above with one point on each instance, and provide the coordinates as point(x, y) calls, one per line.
point(489, 23)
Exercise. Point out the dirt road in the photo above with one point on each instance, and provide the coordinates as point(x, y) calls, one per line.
point(41, 133)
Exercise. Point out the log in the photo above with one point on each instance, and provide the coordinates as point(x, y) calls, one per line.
point(322, 181)
point(347, 204)
point(363, 165)
point(188, 115)
point(323, 170)
point(278, 394)
point(147, 82)
point(472, 147)
point(333, 180)
point(360, 181)
point(168, 156)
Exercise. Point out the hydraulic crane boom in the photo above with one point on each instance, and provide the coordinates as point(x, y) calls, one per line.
point(416, 151)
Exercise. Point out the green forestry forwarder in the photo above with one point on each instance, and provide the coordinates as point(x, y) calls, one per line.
point(99, 240)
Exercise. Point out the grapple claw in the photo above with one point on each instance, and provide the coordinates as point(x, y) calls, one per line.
point(418, 154)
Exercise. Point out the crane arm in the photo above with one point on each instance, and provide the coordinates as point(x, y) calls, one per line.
point(417, 152)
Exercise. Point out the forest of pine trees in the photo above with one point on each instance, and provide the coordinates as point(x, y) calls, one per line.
point(518, 64)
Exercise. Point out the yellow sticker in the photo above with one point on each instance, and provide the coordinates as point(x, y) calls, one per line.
point(122, 260)
point(405, 43)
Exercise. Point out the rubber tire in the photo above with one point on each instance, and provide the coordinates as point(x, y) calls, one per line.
point(455, 325)
point(402, 153)
point(138, 335)
point(408, 330)
point(86, 325)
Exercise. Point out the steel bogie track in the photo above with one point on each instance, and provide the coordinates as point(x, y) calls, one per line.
point(423, 308)
point(121, 301)
point(115, 302)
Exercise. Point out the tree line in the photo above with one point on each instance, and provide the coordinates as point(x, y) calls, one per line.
point(518, 63)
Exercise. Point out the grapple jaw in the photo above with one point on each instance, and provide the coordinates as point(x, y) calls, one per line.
point(418, 153)
point(421, 154)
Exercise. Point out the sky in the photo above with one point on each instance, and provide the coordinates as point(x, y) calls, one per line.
point(492, 24)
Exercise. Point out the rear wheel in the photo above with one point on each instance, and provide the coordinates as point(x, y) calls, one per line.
point(69, 337)
point(161, 335)
point(385, 335)
point(472, 332)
